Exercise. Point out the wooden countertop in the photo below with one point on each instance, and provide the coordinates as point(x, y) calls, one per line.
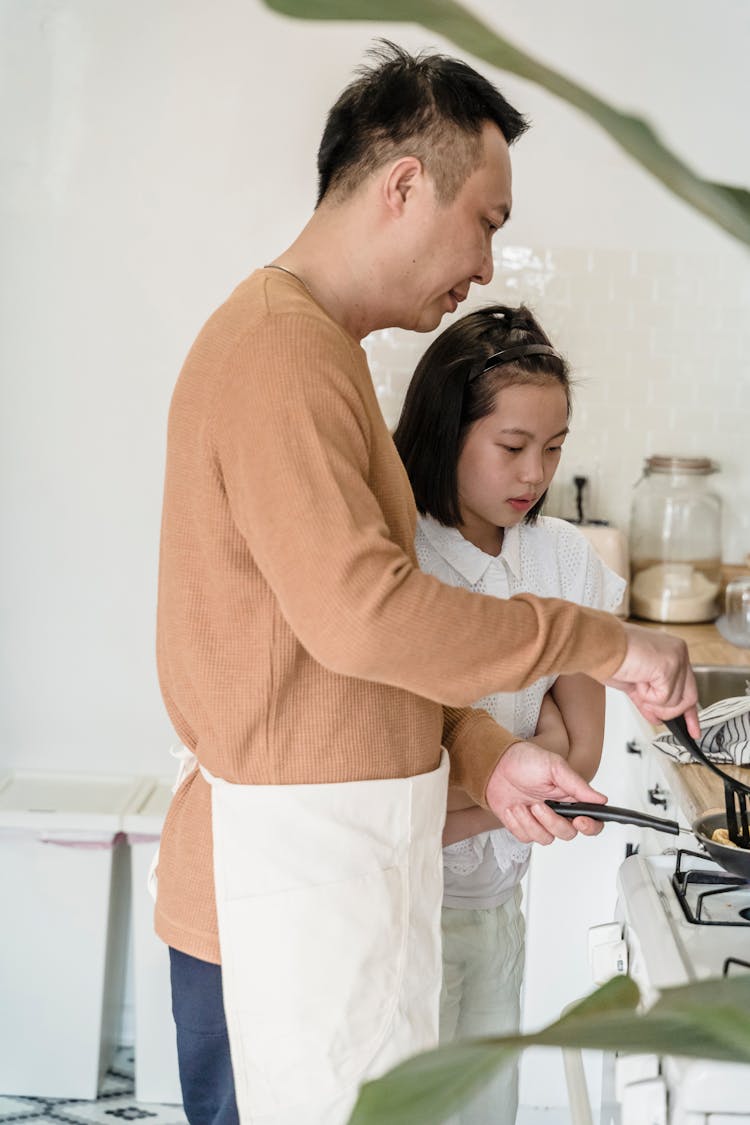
point(705, 643)
point(696, 789)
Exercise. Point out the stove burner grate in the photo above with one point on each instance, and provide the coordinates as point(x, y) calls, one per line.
point(721, 881)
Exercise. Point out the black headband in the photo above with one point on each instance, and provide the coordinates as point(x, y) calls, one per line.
point(509, 354)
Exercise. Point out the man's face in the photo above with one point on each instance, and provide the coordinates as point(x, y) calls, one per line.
point(448, 246)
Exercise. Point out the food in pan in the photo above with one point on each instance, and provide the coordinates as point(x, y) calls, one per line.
point(721, 836)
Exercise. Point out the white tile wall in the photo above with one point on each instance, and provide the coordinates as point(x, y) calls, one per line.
point(659, 345)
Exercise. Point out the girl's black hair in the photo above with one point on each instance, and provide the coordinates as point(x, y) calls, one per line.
point(450, 391)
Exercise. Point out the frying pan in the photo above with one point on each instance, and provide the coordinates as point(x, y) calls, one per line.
point(736, 860)
point(735, 792)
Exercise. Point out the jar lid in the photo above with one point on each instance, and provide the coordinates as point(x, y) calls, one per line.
point(660, 463)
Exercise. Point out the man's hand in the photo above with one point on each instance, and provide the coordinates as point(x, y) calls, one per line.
point(657, 676)
point(524, 778)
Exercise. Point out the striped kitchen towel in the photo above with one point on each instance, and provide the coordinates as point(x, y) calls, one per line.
point(726, 734)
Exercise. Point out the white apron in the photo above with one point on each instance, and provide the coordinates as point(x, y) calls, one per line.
point(328, 900)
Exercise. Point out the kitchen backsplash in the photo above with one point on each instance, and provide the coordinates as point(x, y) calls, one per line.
point(659, 347)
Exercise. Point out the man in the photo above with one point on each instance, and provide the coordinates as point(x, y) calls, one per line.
point(312, 668)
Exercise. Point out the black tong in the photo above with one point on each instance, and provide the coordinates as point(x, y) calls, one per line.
point(735, 792)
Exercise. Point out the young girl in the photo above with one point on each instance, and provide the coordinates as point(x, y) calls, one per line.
point(480, 434)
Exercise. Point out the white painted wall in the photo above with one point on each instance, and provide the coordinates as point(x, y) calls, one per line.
point(152, 155)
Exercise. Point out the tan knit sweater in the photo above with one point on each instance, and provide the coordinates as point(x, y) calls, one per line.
point(297, 639)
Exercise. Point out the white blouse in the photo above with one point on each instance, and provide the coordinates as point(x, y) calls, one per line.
point(553, 560)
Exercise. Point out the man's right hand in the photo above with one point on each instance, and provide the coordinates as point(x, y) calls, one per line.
point(657, 676)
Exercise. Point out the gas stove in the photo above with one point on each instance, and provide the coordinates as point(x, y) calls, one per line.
point(684, 919)
point(708, 895)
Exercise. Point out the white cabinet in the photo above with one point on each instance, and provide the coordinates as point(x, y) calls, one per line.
point(627, 736)
point(645, 1103)
point(570, 887)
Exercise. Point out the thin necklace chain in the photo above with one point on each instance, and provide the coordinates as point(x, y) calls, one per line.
point(291, 273)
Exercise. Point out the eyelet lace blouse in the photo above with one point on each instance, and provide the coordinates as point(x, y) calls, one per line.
point(552, 559)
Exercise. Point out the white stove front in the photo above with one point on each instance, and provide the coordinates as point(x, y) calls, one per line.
point(666, 949)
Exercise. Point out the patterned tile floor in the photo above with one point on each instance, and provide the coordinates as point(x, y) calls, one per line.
point(116, 1103)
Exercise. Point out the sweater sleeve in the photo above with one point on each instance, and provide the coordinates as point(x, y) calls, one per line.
point(292, 437)
point(475, 744)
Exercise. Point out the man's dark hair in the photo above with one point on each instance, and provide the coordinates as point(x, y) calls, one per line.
point(429, 106)
point(451, 390)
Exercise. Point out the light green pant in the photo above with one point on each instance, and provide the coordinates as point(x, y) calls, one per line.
point(483, 956)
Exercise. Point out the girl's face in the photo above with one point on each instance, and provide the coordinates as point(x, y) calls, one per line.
point(508, 460)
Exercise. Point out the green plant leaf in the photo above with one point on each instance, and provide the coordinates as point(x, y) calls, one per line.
point(710, 1019)
point(727, 206)
point(618, 994)
point(432, 1086)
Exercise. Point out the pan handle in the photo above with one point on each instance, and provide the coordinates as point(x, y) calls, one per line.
point(612, 812)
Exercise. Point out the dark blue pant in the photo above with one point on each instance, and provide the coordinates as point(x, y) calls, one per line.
point(202, 1041)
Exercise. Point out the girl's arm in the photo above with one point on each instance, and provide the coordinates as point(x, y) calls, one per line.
point(551, 732)
point(581, 706)
point(571, 724)
point(459, 799)
point(465, 818)
point(463, 823)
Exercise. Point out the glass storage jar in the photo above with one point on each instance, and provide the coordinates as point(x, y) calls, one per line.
point(675, 541)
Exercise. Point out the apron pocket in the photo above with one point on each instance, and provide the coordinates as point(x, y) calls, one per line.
point(329, 958)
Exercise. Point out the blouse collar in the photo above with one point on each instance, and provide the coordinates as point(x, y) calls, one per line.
point(470, 561)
